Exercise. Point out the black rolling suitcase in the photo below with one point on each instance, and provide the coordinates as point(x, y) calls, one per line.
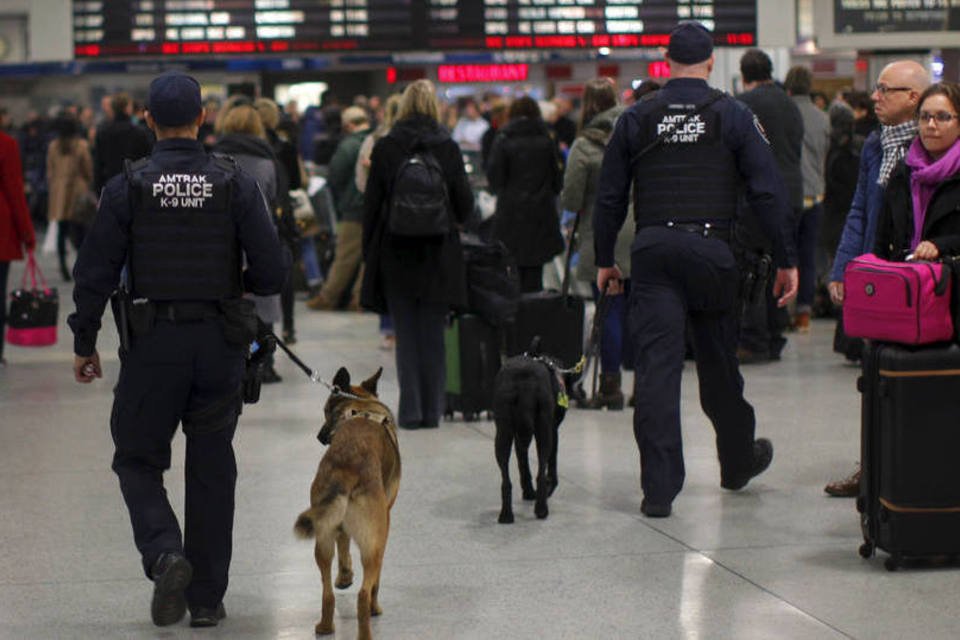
point(555, 316)
point(472, 348)
point(910, 486)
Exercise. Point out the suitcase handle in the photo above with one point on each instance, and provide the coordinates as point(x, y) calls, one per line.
point(565, 286)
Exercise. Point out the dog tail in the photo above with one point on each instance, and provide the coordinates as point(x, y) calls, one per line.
point(326, 514)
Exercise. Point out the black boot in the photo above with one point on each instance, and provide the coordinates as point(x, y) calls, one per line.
point(609, 396)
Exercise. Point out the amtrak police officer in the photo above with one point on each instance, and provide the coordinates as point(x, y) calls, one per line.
point(685, 199)
point(183, 223)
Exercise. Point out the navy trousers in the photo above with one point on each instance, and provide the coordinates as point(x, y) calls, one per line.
point(180, 373)
point(421, 364)
point(679, 276)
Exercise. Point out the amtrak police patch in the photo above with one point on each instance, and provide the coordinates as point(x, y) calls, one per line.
point(760, 129)
point(682, 128)
point(180, 190)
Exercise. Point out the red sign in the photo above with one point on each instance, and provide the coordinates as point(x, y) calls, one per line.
point(659, 69)
point(482, 72)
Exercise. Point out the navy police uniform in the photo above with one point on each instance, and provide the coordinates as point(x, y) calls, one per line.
point(685, 200)
point(182, 223)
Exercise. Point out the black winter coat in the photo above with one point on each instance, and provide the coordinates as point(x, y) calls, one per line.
point(525, 173)
point(430, 270)
point(116, 141)
point(941, 225)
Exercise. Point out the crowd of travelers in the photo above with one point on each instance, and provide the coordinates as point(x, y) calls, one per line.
point(862, 170)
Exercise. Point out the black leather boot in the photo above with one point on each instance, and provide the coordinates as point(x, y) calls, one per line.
point(609, 396)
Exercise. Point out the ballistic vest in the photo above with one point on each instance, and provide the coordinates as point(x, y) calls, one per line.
point(184, 243)
point(692, 175)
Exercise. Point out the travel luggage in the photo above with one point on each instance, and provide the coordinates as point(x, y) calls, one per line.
point(493, 285)
point(910, 485)
point(902, 302)
point(472, 349)
point(32, 320)
point(557, 319)
point(555, 316)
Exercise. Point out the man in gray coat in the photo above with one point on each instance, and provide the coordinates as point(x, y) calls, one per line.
point(816, 141)
point(348, 259)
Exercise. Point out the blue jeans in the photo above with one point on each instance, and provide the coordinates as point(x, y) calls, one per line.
point(613, 340)
point(386, 324)
point(311, 265)
point(807, 232)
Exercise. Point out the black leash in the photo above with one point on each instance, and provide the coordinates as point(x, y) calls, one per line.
point(596, 334)
point(313, 375)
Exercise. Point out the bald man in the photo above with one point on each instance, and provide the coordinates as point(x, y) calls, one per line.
point(895, 96)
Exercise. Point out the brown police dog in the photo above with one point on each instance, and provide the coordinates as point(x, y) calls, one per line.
point(355, 487)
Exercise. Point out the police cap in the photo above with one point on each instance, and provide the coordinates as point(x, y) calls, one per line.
point(174, 99)
point(690, 43)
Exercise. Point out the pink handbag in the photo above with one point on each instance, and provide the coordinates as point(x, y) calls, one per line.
point(32, 321)
point(903, 302)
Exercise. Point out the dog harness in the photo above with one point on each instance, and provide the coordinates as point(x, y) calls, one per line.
point(383, 419)
point(556, 379)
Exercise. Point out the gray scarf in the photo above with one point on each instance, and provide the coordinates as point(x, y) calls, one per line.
point(895, 141)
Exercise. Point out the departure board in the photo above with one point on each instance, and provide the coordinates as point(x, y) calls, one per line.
point(880, 16)
point(122, 28)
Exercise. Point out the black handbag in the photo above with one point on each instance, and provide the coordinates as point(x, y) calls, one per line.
point(32, 320)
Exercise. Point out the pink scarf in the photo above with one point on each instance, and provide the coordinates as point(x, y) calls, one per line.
point(926, 176)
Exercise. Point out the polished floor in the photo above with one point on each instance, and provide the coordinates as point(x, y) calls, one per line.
point(777, 560)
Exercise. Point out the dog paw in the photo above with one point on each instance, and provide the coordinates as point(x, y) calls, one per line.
point(541, 511)
point(323, 629)
point(529, 494)
point(376, 609)
point(505, 518)
point(344, 580)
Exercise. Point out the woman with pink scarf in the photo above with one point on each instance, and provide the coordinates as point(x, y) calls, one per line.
point(921, 214)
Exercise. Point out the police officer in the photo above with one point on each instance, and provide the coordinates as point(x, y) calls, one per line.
point(180, 224)
point(685, 197)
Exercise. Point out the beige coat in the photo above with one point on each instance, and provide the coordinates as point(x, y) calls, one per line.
point(68, 176)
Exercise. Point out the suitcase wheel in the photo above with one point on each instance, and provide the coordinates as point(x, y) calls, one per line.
point(866, 550)
point(893, 562)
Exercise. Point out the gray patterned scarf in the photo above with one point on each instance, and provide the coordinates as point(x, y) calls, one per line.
point(895, 140)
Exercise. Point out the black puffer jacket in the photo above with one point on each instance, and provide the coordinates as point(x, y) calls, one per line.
point(524, 171)
point(941, 225)
point(427, 269)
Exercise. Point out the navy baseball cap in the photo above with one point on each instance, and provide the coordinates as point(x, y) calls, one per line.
point(690, 43)
point(174, 99)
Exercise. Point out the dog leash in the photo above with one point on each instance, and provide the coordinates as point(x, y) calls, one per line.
point(337, 391)
point(313, 375)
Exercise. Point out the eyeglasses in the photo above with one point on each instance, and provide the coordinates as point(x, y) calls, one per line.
point(883, 89)
point(942, 117)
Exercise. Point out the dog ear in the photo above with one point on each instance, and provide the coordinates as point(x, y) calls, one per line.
point(370, 384)
point(534, 349)
point(342, 379)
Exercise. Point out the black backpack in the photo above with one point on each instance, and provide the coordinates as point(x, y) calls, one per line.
point(419, 204)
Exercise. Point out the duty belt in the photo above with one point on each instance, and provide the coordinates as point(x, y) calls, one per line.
point(186, 311)
point(705, 229)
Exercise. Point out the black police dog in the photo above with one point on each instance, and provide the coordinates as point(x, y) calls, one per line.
point(529, 401)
